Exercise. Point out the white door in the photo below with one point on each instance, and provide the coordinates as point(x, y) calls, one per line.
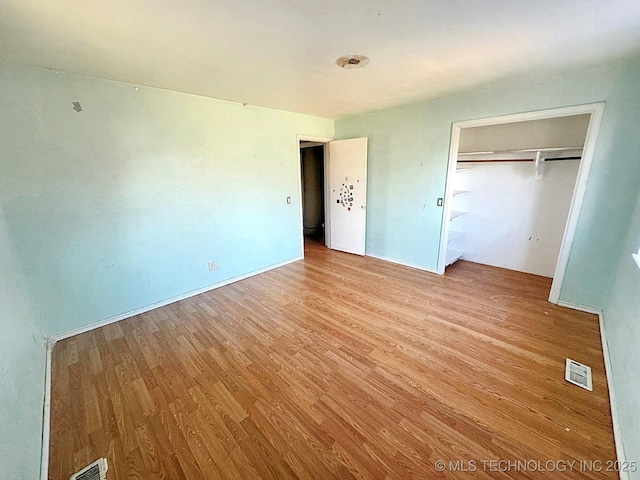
point(348, 194)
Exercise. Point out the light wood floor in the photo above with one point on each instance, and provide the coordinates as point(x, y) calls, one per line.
point(337, 366)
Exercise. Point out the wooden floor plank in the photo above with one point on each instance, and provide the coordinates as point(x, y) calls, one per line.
point(336, 366)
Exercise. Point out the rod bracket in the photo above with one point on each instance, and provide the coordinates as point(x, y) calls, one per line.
point(539, 166)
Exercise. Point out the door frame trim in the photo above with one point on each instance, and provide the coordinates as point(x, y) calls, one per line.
point(327, 214)
point(596, 110)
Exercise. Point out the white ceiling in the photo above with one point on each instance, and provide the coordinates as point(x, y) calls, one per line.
point(282, 54)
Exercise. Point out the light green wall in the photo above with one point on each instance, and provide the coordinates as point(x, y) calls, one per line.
point(622, 303)
point(121, 206)
point(22, 366)
point(622, 324)
point(408, 150)
point(408, 153)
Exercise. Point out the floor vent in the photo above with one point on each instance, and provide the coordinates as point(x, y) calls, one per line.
point(96, 471)
point(578, 374)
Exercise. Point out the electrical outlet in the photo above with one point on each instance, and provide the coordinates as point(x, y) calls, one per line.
point(213, 265)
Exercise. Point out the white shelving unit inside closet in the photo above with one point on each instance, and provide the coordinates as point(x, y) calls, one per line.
point(455, 242)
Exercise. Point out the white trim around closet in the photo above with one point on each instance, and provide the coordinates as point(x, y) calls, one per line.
point(596, 111)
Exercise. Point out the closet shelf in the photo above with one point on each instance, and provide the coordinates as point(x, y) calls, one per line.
point(453, 236)
point(456, 213)
point(522, 150)
point(520, 155)
point(452, 256)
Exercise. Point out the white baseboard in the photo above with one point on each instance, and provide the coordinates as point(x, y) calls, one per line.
point(398, 262)
point(615, 417)
point(148, 308)
point(46, 414)
point(582, 308)
point(46, 422)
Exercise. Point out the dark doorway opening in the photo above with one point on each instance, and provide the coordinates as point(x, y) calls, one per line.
point(312, 168)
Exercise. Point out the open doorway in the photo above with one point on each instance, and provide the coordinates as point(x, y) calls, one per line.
point(514, 190)
point(333, 193)
point(312, 176)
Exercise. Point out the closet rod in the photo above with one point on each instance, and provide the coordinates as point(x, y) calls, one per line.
point(494, 160)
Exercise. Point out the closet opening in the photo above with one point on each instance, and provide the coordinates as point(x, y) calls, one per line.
point(312, 176)
point(514, 190)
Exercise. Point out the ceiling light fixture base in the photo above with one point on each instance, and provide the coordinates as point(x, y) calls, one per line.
point(352, 61)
